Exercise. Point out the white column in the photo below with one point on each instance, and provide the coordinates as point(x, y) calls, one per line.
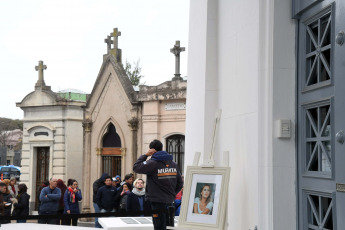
point(202, 93)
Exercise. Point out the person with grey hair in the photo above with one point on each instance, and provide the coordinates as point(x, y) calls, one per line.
point(49, 198)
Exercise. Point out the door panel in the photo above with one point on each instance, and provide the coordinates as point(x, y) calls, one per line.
point(321, 113)
point(42, 173)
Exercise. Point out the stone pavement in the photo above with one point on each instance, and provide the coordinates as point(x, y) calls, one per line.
point(35, 226)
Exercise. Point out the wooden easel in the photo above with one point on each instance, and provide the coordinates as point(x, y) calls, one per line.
point(209, 163)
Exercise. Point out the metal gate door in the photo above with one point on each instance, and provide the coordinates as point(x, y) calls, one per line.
point(321, 116)
point(42, 173)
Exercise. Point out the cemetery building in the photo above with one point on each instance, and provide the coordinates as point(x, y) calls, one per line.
point(276, 71)
point(52, 136)
point(120, 122)
point(71, 134)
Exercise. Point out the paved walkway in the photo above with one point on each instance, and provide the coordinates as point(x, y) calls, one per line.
point(34, 226)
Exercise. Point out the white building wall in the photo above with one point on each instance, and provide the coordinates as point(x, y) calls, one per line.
point(242, 60)
point(284, 105)
point(65, 142)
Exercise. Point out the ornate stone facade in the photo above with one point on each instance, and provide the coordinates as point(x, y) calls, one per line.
point(52, 137)
point(138, 118)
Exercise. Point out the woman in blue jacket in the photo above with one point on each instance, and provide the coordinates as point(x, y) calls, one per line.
point(71, 198)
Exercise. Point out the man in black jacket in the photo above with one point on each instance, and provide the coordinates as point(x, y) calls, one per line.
point(164, 180)
point(136, 199)
point(106, 196)
point(97, 185)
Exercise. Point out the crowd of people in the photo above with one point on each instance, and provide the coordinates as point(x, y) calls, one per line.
point(14, 200)
point(54, 198)
point(110, 194)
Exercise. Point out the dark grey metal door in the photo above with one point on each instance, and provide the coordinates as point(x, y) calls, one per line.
point(321, 116)
point(42, 171)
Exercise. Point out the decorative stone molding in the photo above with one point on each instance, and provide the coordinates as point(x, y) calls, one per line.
point(98, 151)
point(123, 151)
point(95, 110)
point(87, 125)
point(166, 117)
point(133, 123)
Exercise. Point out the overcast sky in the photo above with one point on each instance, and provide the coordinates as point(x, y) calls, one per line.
point(68, 36)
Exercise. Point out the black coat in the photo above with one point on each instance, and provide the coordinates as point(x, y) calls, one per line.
point(7, 209)
point(164, 179)
point(7, 198)
point(106, 198)
point(22, 207)
point(133, 203)
point(97, 185)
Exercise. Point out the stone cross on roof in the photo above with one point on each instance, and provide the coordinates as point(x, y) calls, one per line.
point(176, 50)
point(40, 69)
point(115, 34)
point(108, 41)
point(115, 51)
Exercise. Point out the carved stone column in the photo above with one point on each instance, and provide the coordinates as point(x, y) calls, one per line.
point(86, 204)
point(133, 124)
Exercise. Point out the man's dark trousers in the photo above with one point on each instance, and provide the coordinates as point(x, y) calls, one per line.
point(47, 221)
point(161, 220)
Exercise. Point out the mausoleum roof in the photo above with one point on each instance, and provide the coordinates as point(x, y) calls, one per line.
point(71, 91)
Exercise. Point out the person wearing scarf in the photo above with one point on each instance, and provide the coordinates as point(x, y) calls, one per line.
point(13, 187)
point(71, 198)
point(136, 199)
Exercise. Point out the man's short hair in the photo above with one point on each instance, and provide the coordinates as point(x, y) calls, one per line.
point(156, 144)
point(128, 176)
point(22, 188)
point(2, 184)
point(108, 177)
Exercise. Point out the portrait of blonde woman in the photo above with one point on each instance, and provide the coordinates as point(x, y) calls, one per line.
point(203, 202)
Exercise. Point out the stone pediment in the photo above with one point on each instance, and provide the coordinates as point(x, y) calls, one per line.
point(102, 80)
point(41, 98)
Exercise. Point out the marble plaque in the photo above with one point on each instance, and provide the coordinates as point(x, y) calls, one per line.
point(175, 106)
point(340, 187)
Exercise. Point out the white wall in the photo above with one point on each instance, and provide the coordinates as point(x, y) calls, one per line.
point(284, 88)
point(241, 60)
point(223, 74)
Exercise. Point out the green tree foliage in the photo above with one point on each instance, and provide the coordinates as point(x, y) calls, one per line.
point(7, 124)
point(133, 72)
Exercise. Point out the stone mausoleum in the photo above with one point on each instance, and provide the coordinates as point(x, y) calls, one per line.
point(120, 122)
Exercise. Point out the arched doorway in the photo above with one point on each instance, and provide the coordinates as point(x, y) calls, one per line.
point(175, 146)
point(111, 152)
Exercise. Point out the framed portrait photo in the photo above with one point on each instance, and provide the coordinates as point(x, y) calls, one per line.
point(205, 196)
